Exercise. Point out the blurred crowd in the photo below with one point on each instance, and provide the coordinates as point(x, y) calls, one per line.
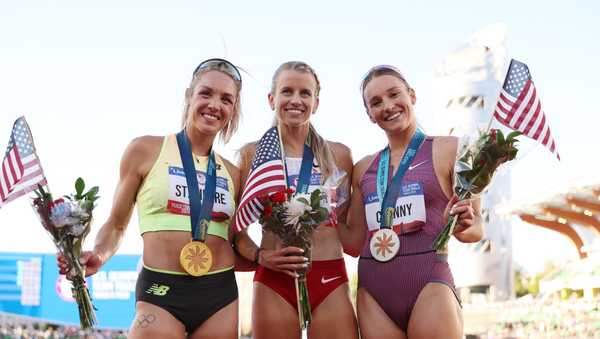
point(29, 330)
point(523, 318)
point(543, 319)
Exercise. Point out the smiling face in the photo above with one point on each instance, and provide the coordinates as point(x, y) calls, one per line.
point(294, 97)
point(211, 102)
point(389, 102)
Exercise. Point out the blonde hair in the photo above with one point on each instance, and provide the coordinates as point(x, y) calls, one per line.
point(318, 145)
point(231, 127)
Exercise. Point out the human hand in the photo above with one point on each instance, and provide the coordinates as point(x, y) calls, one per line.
point(287, 260)
point(89, 260)
point(464, 211)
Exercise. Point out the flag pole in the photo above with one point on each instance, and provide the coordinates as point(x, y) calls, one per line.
point(490, 122)
point(282, 153)
point(497, 100)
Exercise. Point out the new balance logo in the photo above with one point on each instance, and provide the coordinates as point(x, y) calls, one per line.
point(158, 290)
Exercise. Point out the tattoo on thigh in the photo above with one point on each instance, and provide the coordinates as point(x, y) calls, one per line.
point(144, 320)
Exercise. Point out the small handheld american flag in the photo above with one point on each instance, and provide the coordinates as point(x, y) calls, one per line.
point(266, 176)
point(21, 169)
point(519, 107)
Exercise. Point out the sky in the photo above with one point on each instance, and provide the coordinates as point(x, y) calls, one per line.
point(91, 76)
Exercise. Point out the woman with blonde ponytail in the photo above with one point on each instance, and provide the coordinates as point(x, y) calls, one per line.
point(186, 289)
point(294, 97)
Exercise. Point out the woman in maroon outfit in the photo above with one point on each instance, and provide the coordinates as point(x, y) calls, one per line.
point(410, 293)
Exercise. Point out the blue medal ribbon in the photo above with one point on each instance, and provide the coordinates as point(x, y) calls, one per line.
point(199, 210)
point(305, 171)
point(387, 197)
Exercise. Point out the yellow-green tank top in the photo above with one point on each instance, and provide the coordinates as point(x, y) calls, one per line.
point(162, 200)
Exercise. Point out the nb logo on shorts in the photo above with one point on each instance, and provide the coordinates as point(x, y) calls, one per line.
point(158, 290)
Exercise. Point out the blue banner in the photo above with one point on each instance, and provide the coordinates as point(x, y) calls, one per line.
point(31, 286)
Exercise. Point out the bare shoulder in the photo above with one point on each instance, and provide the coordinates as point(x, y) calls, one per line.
point(342, 155)
point(246, 152)
point(445, 142)
point(147, 142)
point(444, 155)
point(248, 148)
point(361, 167)
point(444, 148)
point(339, 149)
point(142, 152)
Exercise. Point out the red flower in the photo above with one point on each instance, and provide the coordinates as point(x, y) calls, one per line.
point(278, 197)
point(493, 133)
point(289, 191)
point(55, 202)
point(267, 211)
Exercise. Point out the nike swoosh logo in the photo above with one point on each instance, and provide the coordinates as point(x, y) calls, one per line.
point(325, 281)
point(410, 168)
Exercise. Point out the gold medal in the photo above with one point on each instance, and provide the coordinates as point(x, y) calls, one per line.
point(195, 258)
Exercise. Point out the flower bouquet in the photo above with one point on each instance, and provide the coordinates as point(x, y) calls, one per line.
point(475, 166)
point(68, 221)
point(293, 218)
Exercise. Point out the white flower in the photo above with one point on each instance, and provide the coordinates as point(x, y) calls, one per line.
point(79, 212)
point(60, 215)
point(296, 208)
point(77, 230)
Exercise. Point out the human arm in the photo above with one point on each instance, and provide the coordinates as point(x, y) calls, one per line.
point(343, 161)
point(356, 220)
point(240, 262)
point(279, 260)
point(135, 163)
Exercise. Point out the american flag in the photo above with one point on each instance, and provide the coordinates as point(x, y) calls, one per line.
point(21, 169)
point(519, 106)
point(266, 176)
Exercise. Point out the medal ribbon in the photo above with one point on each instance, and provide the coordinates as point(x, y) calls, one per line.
point(199, 210)
point(305, 167)
point(305, 171)
point(388, 197)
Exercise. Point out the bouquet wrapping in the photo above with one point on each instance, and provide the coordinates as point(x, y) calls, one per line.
point(475, 165)
point(337, 192)
point(68, 221)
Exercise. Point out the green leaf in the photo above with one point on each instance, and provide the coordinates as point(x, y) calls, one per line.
point(37, 192)
point(315, 198)
point(79, 187)
point(322, 214)
point(91, 194)
point(500, 137)
point(513, 135)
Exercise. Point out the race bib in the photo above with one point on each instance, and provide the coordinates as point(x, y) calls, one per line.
point(178, 200)
point(409, 210)
point(315, 180)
